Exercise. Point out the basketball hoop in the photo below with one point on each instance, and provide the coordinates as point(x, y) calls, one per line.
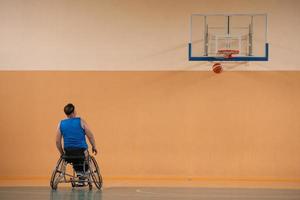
point(227, 53)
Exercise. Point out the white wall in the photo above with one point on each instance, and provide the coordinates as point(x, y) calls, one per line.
point(130, 34)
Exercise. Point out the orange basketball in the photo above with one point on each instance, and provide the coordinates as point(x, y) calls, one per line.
point(217, 68)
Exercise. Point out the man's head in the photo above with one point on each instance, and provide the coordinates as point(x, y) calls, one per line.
point(69, 110)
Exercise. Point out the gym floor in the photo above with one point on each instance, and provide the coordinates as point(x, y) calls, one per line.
point(148, 193)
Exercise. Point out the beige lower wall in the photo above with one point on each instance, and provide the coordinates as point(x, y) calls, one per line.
point(236, 125)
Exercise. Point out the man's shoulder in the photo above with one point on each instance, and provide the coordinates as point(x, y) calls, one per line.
point(70, 119)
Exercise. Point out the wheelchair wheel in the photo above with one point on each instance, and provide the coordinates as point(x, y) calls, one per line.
point(73, 183)
point(57, 174)
point(90, 185)
point(95, 172)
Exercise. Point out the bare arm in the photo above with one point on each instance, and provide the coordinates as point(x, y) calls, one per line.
point(90, 136)
point(58, 142)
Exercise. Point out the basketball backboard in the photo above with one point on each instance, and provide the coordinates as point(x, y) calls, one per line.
point(211, 34)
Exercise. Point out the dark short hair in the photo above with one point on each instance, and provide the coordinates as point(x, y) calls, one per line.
point(69, 109)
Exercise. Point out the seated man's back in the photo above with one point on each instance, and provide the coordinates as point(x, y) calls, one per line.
point(73, 133)
point(73, 130)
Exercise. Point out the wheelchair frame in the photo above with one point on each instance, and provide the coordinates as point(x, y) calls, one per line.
point(92, 175)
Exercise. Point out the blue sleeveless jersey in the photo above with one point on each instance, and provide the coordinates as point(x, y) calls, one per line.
point(73, 134)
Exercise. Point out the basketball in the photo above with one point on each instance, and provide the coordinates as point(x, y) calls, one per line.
point(217, 68)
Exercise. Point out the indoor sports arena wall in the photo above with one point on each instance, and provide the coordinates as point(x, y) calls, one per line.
point(155, 115)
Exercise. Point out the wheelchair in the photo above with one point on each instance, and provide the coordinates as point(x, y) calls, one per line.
point(90, 174)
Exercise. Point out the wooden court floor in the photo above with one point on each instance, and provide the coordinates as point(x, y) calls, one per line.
point(148, 193)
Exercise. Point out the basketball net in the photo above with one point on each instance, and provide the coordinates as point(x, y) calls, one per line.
point(227, 53)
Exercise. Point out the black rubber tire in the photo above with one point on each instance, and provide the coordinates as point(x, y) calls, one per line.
point(73, 183)
point(95, 173)
point(56, 173)
point(90, 186)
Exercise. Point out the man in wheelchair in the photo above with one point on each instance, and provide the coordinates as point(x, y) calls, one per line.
point(73, 130)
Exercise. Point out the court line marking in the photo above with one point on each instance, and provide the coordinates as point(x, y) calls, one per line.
point(280, 196)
